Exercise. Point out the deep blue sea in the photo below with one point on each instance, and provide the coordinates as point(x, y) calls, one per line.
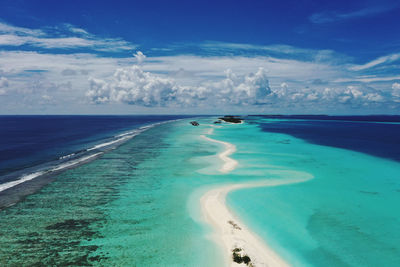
point(375, 135)
point(29, 143)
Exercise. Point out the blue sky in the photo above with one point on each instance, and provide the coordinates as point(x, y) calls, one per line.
point(109, 57)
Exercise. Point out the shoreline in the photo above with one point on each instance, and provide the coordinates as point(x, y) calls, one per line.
point(228, 231)
point(13, 191)
point(69, 163)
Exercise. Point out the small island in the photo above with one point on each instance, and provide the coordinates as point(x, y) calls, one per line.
point(231, 119)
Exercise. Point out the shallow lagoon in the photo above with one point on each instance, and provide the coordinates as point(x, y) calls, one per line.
point(128, 207)
point(346, 215)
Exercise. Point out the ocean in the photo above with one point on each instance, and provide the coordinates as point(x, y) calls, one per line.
point(27, 141)
point(136, 203)
point(40, 146)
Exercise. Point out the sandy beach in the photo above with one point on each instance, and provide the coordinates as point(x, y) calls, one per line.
point(229, 231)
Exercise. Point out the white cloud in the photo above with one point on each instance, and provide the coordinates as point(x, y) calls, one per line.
point(33, 74)
point(16, 63)
point(376, 62)
point(334, 16)
point(133, 85)
point(66, 42)
point(351, 96)
point(192, 81)
point(357, 96)
point(396, 90)
point(367, 79)
point(76, 30)
point(281, 48)
point(12, 40)
point(140, 57)
point(6, 28)
point(250, 89)
point(17, 36)
point(272, 50)
point(207, 68)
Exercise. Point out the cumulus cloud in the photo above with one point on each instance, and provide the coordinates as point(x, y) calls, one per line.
point(354, 96)
point(282, 90)
point(140, 57)
point(32, 75)
point(250, 89)
point(133, 85)
point(359, 96)
point(248, 84)
point(396, 91)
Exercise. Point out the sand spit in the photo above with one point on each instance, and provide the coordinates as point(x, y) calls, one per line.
point(229, 231)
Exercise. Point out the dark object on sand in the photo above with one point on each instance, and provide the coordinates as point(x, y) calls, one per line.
point(194, 123)
point(231, 119)
point(239, 258)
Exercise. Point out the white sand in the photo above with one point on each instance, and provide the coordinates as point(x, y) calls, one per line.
point(229, 231)
point(229, 163)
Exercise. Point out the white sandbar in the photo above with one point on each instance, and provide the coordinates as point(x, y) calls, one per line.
point(229, 163)
point(229, 231)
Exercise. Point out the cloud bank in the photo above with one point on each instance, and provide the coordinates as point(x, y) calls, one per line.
point(134, 86)
point(89, 74)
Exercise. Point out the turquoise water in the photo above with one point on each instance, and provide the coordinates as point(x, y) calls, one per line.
point(347, 215)
point(138, 205)
point(127, 208)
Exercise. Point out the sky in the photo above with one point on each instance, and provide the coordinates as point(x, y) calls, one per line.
point(200, 57)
